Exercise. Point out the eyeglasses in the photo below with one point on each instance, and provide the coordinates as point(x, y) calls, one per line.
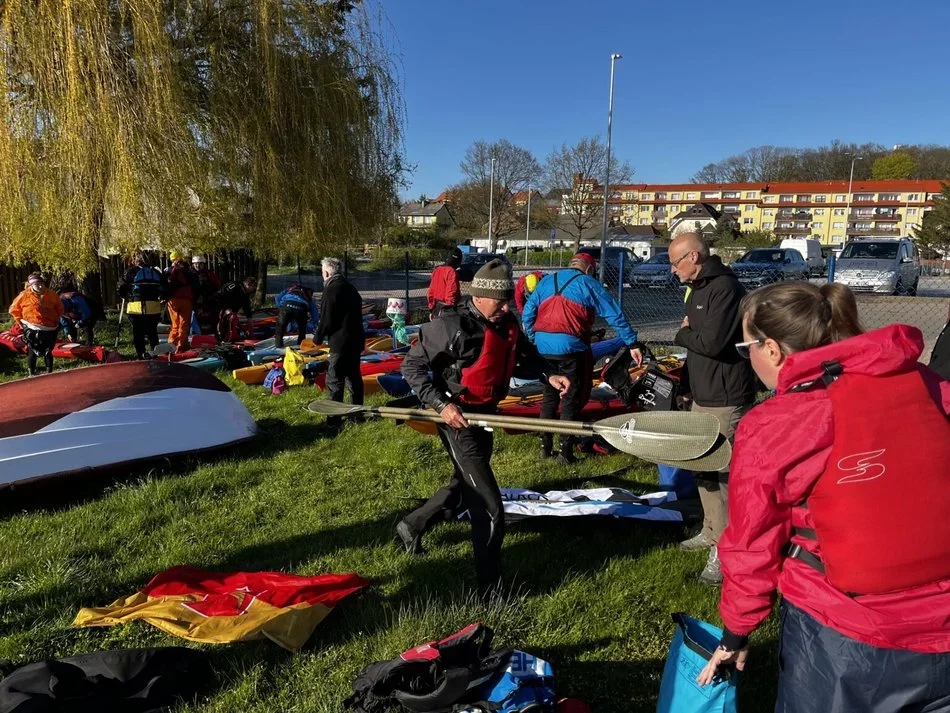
point(743, 347)
point(682, 257)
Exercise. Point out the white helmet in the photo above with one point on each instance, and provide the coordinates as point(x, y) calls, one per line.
point(198, 260)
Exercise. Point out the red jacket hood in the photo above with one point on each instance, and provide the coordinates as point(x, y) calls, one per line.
point(889, 350)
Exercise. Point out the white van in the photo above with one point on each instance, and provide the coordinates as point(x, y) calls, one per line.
point(810, 249)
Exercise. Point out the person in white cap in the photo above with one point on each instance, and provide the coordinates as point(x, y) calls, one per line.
point(38, 310)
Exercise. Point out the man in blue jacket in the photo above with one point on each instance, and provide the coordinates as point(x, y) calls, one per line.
point(296, 305)
point(559, 318)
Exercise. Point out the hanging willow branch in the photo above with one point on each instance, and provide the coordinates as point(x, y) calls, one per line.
point(202, 124)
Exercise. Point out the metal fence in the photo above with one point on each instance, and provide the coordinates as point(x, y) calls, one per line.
point(650, 295)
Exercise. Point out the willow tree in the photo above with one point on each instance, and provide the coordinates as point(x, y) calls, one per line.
point(272, 125)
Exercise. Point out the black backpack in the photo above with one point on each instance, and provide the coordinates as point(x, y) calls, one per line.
point(431, 678)
point(653, 390)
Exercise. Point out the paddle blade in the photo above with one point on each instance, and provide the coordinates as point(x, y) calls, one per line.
point(661, 435)
point(334, 408)
point(716, 461)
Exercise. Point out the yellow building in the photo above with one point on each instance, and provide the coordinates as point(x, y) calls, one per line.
point(824, 209)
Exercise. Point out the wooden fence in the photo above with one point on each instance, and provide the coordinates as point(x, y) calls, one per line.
point(232, 265)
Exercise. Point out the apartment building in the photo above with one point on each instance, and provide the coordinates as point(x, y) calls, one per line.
point(824, 209)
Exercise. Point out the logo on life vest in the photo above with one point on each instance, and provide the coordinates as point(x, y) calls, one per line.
point(861, 466)
point(627, 430)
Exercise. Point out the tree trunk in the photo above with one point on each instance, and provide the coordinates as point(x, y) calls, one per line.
point(261, 294)
point(577, 244)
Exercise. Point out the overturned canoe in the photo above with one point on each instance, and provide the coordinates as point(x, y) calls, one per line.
point(111, 415)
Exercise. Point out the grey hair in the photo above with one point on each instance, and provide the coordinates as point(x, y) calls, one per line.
point(331, 265)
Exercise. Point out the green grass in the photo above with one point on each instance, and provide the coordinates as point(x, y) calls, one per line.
point(593, 597)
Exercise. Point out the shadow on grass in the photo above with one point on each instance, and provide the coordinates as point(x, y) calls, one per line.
point(63, 492)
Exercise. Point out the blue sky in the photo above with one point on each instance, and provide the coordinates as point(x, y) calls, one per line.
point(699, 81)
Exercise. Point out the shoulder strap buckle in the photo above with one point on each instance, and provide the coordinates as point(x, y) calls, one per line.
point(832, 372)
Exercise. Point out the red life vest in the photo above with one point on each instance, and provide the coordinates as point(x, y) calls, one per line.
point(881, 506)
point(486, 381)
point(559, 315)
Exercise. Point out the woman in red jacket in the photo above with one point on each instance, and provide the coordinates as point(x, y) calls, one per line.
point(838, 498)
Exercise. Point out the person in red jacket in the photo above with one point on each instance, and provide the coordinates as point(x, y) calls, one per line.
point(444, 289)
point(839, 510)
point(182, 291)
point(525, 286)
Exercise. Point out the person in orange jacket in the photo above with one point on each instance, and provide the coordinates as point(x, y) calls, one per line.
point(38, 310)
point(182, 291)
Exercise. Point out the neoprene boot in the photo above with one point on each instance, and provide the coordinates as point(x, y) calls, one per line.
point(566, 455)
point(547, 444)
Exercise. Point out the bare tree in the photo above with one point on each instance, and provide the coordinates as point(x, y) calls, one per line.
point(516, 169)
point(578, 169)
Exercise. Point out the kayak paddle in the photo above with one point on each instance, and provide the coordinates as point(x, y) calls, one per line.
point(654, 436)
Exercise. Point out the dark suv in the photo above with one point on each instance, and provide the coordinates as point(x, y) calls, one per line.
point(612, 267)
point(472, 261)
point(763, 266)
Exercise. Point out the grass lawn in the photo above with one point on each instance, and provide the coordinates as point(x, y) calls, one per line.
point(591, 596)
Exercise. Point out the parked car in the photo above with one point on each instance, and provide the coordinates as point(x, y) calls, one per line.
point(472, 261)
point(763, 266)
point(886, 265)
point(612, 266)
point(654, 272)
point(810, 249)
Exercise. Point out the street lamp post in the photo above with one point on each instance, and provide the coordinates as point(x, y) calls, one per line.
point(527, 229)
point(610, 111)
point(847, 211)
point(491, 206)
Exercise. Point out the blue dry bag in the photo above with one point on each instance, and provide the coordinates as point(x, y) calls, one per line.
point(691, 649)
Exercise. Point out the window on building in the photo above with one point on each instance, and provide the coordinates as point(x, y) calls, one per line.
point(802, 199)
point(863, 197)
point(862, 226)
point(821, 198)
point(768, 211)
point(911, 211)
point(839, 211)
point(646, 197)
point(628, 196)
point(644, 221)
point(837, 226)
point(676, 196)
point(785, 198)
point(750, 195)
point(661, 196)
point(890, 197)
point(863, 212)
point(748, 208)
point(707, 195)
point(841, 199)
point(644, 208)
point(690, 196)
point(913, 196)
point(730, 209)
point(674, 209)
point(731, 194)
point(817, 226)
point(747, 221)
point(766, 226)
point(768, 199)
point(819, 211)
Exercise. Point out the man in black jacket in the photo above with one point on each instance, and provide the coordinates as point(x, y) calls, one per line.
point(232, 298)
point(471, 352)
point(721, 381)
point(341, 327)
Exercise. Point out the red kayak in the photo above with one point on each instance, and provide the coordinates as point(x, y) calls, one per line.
point(369, 366)
point(12, 339)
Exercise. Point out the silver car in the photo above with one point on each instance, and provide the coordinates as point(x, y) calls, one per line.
point(886, 266)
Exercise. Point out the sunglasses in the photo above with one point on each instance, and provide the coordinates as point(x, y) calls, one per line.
point(682, 257)
point(743, 347)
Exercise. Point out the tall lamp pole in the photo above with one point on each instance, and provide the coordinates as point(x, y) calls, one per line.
point(491, 206)
point(527, 228)
point(847, 211)
point(610, 112)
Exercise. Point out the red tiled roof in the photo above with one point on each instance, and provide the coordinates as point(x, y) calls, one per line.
point(922, 186)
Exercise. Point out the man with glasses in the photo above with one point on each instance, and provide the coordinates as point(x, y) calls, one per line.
point(721, 381)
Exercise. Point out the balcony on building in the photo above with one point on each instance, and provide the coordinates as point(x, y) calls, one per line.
point(793, 230)
point(887, 216)
point(790, 214)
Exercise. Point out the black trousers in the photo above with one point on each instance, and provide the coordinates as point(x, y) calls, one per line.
point(144, 328)
point(39, 342)
point(72, 332)
point(822, 671)
point(286, 316)
point(343, 371)
point(577, 368)
point(473, 487)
